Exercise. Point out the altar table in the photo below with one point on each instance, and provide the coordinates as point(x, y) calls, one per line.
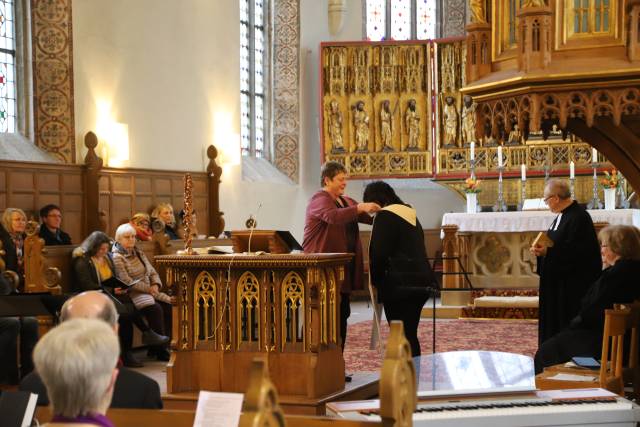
point(494, 246)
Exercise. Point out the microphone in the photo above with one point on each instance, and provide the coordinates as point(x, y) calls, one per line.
point(253, 227)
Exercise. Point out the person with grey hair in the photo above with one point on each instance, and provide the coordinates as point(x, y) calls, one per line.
point(78, 365)
point(617, 284)
point(132, 389)
point(568, 267)
point(133, 267)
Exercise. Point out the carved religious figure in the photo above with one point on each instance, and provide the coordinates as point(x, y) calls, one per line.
point(361, 127)
point(515, 135)
point(335, 127)
point(412, 125)
point(450, 116)
point(386, 116)
point(468, 120)
point(476, 7)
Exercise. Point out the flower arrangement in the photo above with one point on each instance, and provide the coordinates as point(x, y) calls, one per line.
point(610, 180)
point(472, 185)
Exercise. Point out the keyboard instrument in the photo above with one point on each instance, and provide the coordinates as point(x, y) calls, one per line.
point(537, 409)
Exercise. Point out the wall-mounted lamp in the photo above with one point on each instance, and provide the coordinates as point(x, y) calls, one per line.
point(116, 136)
point(229, 149)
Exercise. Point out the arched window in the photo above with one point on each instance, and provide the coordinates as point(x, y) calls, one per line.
point(255, 49)
point(400, 19)
point(8, 107)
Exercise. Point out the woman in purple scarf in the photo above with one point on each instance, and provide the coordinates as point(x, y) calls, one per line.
point(331, 225)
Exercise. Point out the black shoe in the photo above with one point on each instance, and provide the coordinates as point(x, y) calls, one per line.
point(163, 355)
point(347, 378)
point(150, 337)
point(130, 361)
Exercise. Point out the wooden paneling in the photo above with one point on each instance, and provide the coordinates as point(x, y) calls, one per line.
point(123, 192)
point(30, 186)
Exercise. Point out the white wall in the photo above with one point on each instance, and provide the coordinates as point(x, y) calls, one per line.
point(170, 71)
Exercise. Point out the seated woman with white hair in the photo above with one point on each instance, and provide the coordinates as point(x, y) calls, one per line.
point(133, 266)
point(77, 362)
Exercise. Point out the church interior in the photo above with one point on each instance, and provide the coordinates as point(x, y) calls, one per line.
point(217, 148)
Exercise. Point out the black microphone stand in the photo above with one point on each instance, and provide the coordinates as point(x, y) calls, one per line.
point(433, 291)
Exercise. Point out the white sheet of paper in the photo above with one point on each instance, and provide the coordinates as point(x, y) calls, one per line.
point(218, 409)
point(571, 377)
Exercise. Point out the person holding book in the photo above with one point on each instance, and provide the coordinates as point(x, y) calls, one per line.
point(94, 269)
point(568, 267)
point(617, 284)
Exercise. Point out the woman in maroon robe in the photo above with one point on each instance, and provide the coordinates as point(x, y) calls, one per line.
point(331, 225)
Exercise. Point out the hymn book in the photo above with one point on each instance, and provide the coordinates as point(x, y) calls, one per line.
point(542, 240)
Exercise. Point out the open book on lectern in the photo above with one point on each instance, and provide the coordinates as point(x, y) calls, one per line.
point(268, 241)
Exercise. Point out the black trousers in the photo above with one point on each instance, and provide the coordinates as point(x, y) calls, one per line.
point(129, 316)
point(159, 317)
point(345, 312)
point(26, 328)
point(406, 306)
point(567, 344)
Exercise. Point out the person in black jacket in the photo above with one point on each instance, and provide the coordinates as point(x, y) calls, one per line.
point(398, 260)
point(50, 231)
point(132, 389)
point(620, 249)
point(93, 266)
point(26, 328)
point(568, 267)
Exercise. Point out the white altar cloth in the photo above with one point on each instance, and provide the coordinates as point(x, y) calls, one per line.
point(514, 222)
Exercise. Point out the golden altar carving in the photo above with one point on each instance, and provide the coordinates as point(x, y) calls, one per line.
point(233, 308)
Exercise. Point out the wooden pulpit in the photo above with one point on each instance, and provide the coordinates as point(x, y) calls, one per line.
point(230, 309)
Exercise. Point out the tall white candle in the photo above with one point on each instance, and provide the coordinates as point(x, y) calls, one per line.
point(472, 154)
point(523, 172)
point(499, 156)
point(572, 170)
point(594, 155)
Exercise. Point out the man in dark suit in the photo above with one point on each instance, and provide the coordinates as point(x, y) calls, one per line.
point(132, 389)
point(570, 266)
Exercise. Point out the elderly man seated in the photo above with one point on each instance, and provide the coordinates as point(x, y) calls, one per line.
point(78, 364)
point(132, 389)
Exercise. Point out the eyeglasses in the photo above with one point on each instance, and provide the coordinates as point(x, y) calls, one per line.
point(546, 199)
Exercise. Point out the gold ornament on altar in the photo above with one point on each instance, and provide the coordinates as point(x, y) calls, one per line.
point(188, 216)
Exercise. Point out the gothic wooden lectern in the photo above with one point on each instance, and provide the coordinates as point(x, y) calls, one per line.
point(233, 308)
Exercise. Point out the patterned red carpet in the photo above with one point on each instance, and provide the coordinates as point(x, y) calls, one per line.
point(513, 336)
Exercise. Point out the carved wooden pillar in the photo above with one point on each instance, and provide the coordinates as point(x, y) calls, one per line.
point(216, 221)
point(478, 50)
point(534, 38)
point(92, 167)
point(633, 46)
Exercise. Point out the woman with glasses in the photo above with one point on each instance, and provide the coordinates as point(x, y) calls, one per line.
point(617, 284)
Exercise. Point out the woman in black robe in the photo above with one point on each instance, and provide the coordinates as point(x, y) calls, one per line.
point(398, 260)
point(620, 251)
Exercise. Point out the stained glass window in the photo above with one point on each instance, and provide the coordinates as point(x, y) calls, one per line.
point(253, 59)
point(7, 67)
point(376, 19)
point(400, 19)
point(426, 19)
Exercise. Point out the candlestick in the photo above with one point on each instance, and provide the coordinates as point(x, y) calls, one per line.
point(523, 172)
point(572, 170)
point(523, 195)
point(499, 156)
point(472, 153)
point(594, 203)
point(572, 182)
point(500, 205)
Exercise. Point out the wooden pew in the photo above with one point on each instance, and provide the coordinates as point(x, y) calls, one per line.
point(261, 408)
